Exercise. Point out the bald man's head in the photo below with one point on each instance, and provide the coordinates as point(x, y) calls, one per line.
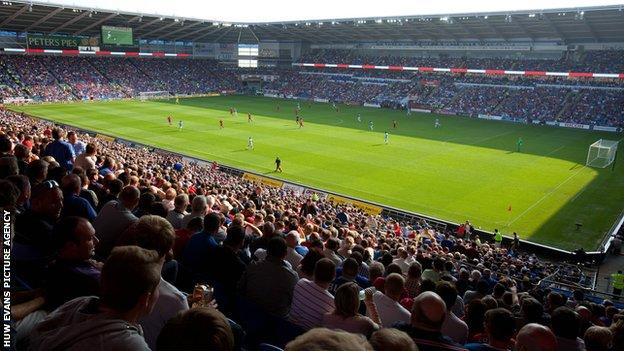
point(428, 312)
point(535, 337)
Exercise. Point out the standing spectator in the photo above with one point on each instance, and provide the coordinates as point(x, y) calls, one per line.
point(61, 150)
point(311, 300)
point(197, 253)
point(77, 145)
point(345, 316)
point(114, 218)
point(270, 283)
point(130, 279)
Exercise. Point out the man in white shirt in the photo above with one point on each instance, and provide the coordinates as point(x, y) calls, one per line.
point(453, 327)
point(87, 159)
point(389, 309)
point(401, 260)
point(311, 300)
point(292, 257)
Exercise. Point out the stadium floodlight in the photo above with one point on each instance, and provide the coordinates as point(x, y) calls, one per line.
point(602, 153)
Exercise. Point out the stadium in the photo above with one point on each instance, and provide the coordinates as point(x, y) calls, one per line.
point(173, 182)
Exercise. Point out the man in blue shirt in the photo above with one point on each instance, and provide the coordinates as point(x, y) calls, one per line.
point(78, 146)
point(62, 151)
point(73, 204)
point(199, 249)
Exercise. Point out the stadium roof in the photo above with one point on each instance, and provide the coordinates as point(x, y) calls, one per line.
point(589, 24)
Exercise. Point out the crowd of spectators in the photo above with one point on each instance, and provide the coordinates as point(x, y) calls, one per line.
point(111, 241)
point(545, 98)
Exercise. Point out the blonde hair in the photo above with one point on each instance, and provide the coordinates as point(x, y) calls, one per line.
point(390, 339)
point(323, 339)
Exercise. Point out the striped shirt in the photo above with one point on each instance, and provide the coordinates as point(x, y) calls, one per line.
point(310, 303)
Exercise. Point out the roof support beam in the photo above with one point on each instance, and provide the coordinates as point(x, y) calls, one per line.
point(96, 23)
point(523, 28)
point(226, 31)
point(554, 27)
point(14, 15)
point(491, 26)
point(144, 35)
point(469, 30)
point(146, 24)
point(184, 35)
point(181, 29)
point(43, 19)
point(70, 22)
point(591, 30)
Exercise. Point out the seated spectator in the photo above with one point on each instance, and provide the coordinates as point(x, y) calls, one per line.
point(199, 208)
point(129, 280)
point(74, 273)
point(475, 319)
point(428, 315)
point(292, 257)
point(77, 145)
point(155, 233)
point(435, 272)
point(33, 245)
point(390, 339)
point(598, 339)
point(331, 251)
point(453, 327)
point(201, 328)
point(183, 235)
point(387, 303)
point(535, 337)
point(566, 325)
point(322, 339)
point(114, 218)
point(196, 254)
point(226, 266)
point(264, 281)
point(500, 327)
point(311, 300)
point(176, 215)
point(345, 316)
point(349, 274)
point(412, 283)
point(73, 204)
point(87, 160)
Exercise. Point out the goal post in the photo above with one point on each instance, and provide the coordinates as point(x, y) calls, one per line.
point(150, 95)
point(601, 153)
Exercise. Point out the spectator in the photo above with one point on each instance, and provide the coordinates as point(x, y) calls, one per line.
point(263, 281)
point(428, 315)
point(292, 257)
point(183, 235)
point(33, 245)
point(77, 145)
point(453, 327)
point(322, 339)
point(349, 274)
point(566, 324)
point(535, 337)
point(345, 316)
point(199, 208)
point(387, 302)
point(87, 160)
point(73, 204)
point(201, 328)
point(61, 150)
point(390, 339)
point(176, 216)
point(114, 218)
point(500, 327)
point(201, 245)
point(74, 273)
point(129, 281)
point(155, 233)
point(598, 339)
point(412, 283)
point(311, 300)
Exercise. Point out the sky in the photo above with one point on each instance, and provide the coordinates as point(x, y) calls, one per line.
point(284, 10)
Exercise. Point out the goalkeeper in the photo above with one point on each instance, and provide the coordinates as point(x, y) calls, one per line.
point(519, 144)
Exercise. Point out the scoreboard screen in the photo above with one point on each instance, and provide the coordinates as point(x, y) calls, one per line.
point(117, 36)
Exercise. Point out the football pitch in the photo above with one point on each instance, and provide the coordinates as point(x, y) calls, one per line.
point(468, 169)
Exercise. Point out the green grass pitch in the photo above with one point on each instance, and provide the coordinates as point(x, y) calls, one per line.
point(467, 169)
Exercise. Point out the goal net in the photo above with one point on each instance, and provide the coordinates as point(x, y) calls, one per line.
point(601, 153)
point(149, 95)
